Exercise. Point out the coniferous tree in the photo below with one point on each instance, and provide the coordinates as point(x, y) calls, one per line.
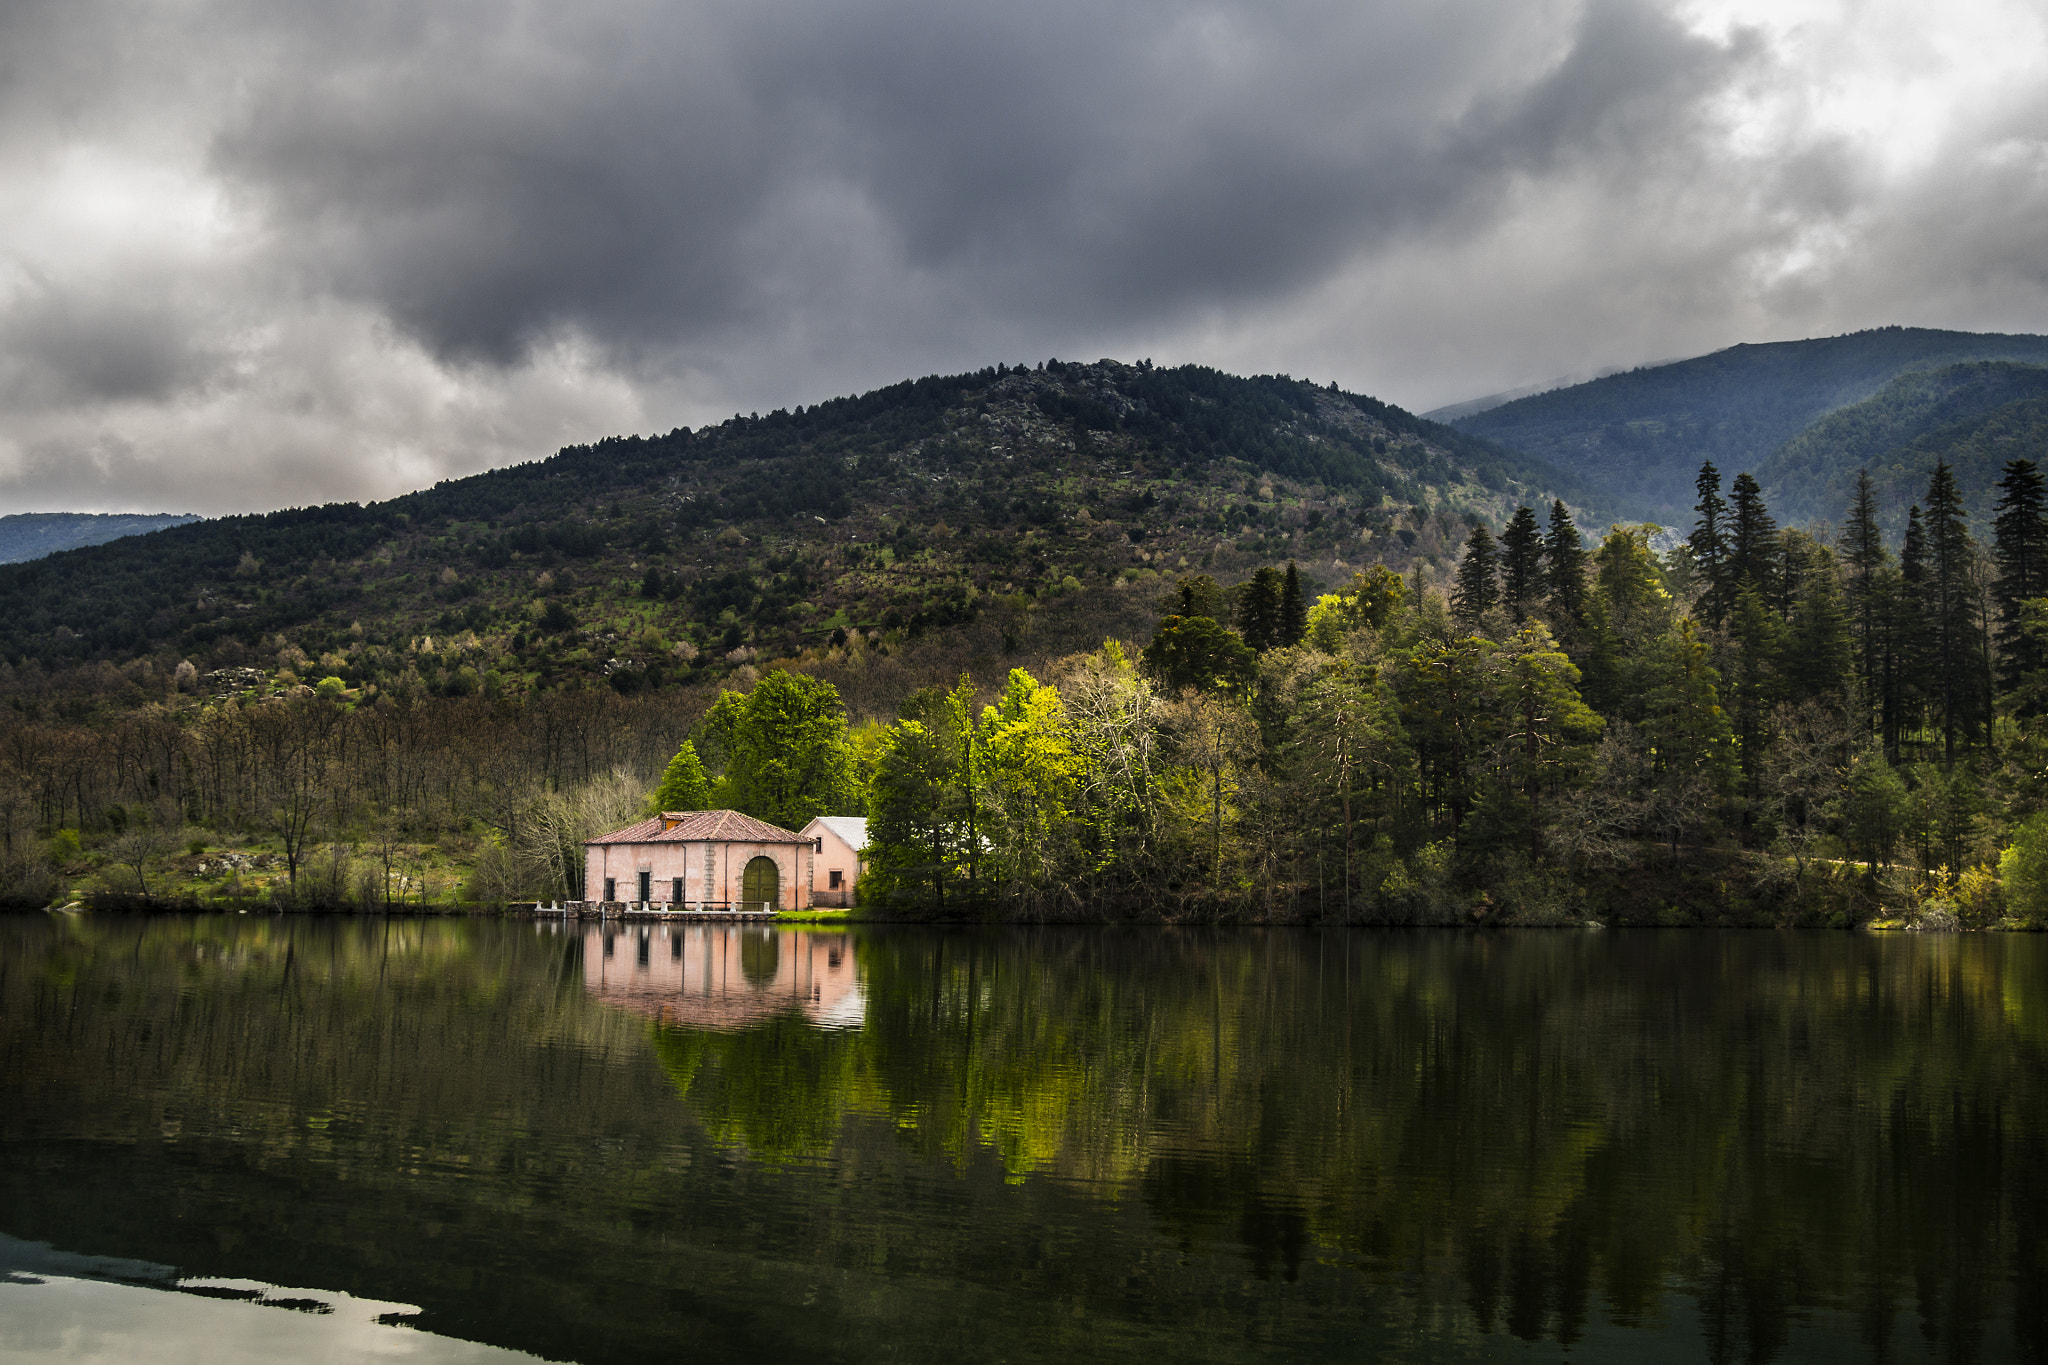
point(1258, 610)
point(2019, 531)
point(1709, 542)
point(1753, 542)
point(1564, 570)
point(1864, 554)
point(1909, 635)
point(1521, 562)
point(1478, 588)
point(1293, 608)
point(1948, 598)
point(1819, 646)
point(1754, 690)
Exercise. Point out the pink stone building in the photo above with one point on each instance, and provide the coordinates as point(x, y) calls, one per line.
point(836, 842)
point(701, 859)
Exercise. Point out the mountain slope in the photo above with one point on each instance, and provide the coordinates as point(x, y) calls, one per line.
point(918, 507)
point(1643, 435)
point(31, 535)
point(1975, 416)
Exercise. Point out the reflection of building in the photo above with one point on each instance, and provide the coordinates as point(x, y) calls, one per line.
point(722, 975)
point(835, 862)
point(702, 858)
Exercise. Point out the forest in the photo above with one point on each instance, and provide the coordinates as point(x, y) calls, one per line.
point(1750, 725)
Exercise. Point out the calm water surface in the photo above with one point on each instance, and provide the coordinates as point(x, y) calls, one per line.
point(237, 1138)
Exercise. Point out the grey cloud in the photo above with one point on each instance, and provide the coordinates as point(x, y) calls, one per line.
point(490, 181)
point(426, 237)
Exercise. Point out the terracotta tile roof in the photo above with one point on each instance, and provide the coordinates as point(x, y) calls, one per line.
point(700, 826)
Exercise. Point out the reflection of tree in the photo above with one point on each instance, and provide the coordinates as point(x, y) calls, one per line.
point(1519, 1134)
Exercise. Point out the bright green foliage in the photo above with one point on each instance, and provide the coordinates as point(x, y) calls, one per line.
point(1194, 651)
point(915, 833)
point(2023, 870)
point(684, 783)
point(1028, 777)
point(1374, 598)
point(786, 756)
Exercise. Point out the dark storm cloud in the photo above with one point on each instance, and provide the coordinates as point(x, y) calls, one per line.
point(491, 177)
point(257, 254)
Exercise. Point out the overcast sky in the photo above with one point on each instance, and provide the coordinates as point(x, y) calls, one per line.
point(257, 254)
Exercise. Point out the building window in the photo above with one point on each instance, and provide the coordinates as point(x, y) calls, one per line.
point(611, 888)
point(835, 874)
point(646, 887)
point(675, 891)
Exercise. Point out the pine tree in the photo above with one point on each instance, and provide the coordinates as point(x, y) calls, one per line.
point(1709, 542)
point(1907, 629)
point(1564, 571)
point(1753, 548)
point(1293, 608)
point(1864, 555)
point(1819, 646)
point(1258, 610)
point(1947, 596)
point(1521, 562)
point(1477, 589)
point(1755, 689)
point(2019, 531)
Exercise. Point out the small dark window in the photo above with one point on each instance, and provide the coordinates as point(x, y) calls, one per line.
point(835, 879)
point(675, 891)
point(611, 888)
point(646, 887)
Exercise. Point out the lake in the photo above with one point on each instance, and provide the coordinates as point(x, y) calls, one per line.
point(246, 1138)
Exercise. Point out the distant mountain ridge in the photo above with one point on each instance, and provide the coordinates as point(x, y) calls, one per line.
point(919, 507)
point(1642, 435)
point(31, 535)
point(1974, 417)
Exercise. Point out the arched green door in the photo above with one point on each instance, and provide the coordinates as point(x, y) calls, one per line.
point(761, 882)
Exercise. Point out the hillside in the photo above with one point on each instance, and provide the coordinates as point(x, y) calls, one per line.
point(31, 535)
point(1975, 416)
point(1643, 435)
point(1015, 495)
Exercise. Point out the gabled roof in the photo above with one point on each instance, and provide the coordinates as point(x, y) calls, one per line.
point(700, 826)
point(851, 828)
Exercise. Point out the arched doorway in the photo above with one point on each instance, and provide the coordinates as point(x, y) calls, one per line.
point(761, 882)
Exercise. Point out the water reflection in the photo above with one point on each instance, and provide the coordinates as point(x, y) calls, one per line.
point(723, 976)
point(1110, 1143)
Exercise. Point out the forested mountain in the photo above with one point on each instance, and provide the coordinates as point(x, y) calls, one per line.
point(1974, 417)
point(31, 535)
point(912, 508)
point(1642, 435)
